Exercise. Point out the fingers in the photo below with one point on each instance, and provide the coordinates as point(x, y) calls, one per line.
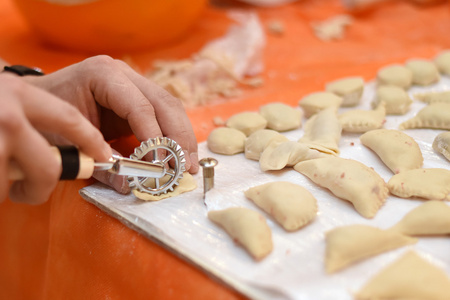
point(119, 183)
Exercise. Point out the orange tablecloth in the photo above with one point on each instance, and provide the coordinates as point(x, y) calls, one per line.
point(68, 248)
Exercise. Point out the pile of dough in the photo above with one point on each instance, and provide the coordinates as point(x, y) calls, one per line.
point(431, 184)
point(430, 218)
point(315, 102)
point(247, 227)
point(350, 89)
point(397, 99)
point(358, 120)
point(346, 245)
point(431, 97)
point(226, 141)
point(441, 144)
point(396, 149)
point(187, 183)
point(395, 74)
point(409, 277)
point(291, 205)
point(323, 132)
point(247, 122)
point(442, 62)
point(256, 142)
point(435, 115)
point(278, 155)
point(281, 117)
point(424, 72)
point(348, 179)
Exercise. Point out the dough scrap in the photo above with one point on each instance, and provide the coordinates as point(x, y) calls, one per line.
point(247, 227)
point(281, 117)
point(424, 72)
point(398, 151)
point(431, 97)
point(442, 62)
point(350, 89)
point(409, 277)
point(247, 122)
point(435, 115)
point(348, 179)
point(358, 120)
point(226, 141)
point(187, 183)
point(431, 184)
point(279, 155)
point(430, 218)
point(346, 245)
point(395, 74)
point(315, 102)
point(323, 131)
point(441, 144)
point(291, 205)
point(256, 142)
point(397, 99)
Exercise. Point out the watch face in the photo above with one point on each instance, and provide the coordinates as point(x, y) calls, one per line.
point(23, 70)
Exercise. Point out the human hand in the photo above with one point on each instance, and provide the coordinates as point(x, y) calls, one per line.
point(119, 101)
point(25, 112)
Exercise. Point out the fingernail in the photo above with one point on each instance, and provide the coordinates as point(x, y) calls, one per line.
point(194, 162)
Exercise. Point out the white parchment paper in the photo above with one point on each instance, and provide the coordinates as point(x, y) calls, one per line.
point(295, 268)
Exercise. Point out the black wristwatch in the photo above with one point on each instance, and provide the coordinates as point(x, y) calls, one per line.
point(23, 70)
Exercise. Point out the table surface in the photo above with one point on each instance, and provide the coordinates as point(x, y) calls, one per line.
point(68, 246)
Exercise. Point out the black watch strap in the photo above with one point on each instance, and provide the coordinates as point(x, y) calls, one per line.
point(23, 70)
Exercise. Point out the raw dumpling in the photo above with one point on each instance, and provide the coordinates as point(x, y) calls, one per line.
point(247, 227)
point(279, 155)
point(247, 122)
point(346, 245)
point(226, 141)
point(315, 102)
point(350, 89)
point(430, 218)
point(431, 97)
point(396, 74)
point(396, 149)
point(431, 184)
point(348, 179)
point(409, 277)
point(435, 115)
point(258, 141)
point(281, 117)
point(187, 183)
point(291, 205)
point(441, 144)
point(323, 132)
point(397, 99)
point(358, 120)
point(442, 62)
point(424, 71)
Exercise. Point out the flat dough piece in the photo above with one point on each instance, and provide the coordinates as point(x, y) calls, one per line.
point(350, 89)
point(431, 97)
point(323, 131)
point(442, 62)
point(227, 141)
point(409, 277)
point(358, 120)
point(256, 142)
point(279, 155)
point(247, 227)
point(398, 151)
point(348, 179)
point(397, 99)
point(430, 218)
point(247, 122)
point(395, 74)
point(346, 245)
point(281, 117)
point(424, 72)
point(291, 205)
point(435, 115)
point(186, 184)
point(315, 102)
point(431, 184)
point(441, 144)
